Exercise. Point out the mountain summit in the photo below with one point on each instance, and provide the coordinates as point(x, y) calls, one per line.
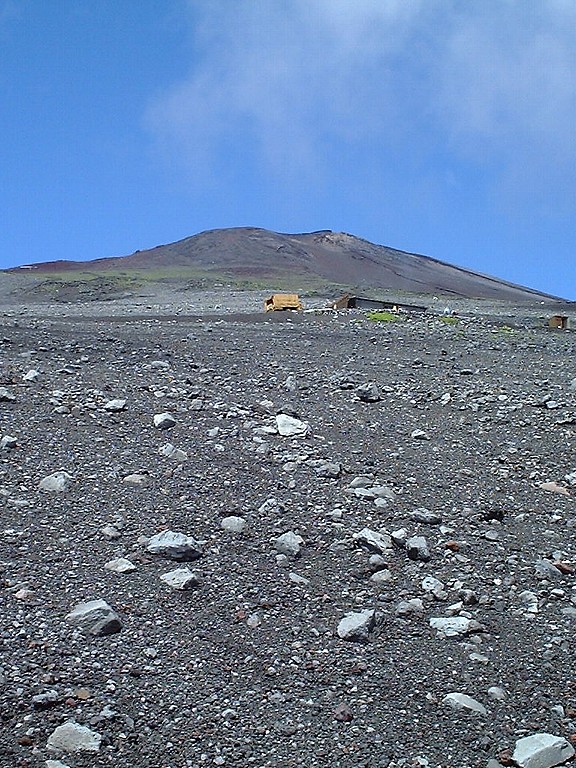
point(332, 257)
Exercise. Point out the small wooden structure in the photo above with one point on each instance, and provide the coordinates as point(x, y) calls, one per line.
point(559, 321)
point(282, 301)
point(360, 302)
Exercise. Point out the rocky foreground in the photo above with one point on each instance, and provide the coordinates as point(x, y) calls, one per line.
point(317, 542)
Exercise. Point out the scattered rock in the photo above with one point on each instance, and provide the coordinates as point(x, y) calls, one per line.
point(542, 750)
point(174, 546)
point(114, 406)
point(425, 516)
point(289, 543)
point(356, 626)
point(463, 702)
point(288, 426)
point(368, 393)
point(57, 482)
point(374, 541)
point(233, 523)
point(181, 578)
point(173, 453)
point(120, 565)
point(95, 618)
point(452, 626)
point(72, 737)
point(417, 548)
point(164, 421)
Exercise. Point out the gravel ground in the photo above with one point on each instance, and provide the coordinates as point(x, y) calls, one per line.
point(454, 441)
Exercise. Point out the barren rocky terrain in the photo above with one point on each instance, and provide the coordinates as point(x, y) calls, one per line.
point(308, 540)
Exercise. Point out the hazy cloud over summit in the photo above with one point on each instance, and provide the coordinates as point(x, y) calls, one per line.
point(293, 85)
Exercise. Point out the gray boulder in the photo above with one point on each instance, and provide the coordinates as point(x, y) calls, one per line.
point(542, 750)
point(95, 618)
point(174, 546)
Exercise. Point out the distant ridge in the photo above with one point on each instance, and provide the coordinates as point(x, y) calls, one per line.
point(335, 257)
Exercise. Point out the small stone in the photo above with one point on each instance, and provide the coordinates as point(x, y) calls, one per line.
point(546, 570)
point(55, 764)
point(425, 516)
point(31, 375)
point(181, 578)
point(374, 541)
point(419, 434)
point(357, 625)
point(57, 482)
point(233, 524)
point(289, 543)
point(496, 693)
point(381, 577)
point(377, 562)
point(46, 700)
point(6, 396)
point(368, 393)
point(137, 479)
point(288, 426)
point(555, 488)
point(173, 453)
point(111, 532)
point(343, 713)
point(462, 701)
point(164, 421)
point(413, 607)
point(434, 586)
point(417, 548)
point(328, 469)
point(95, 618)
point(120, 565)
point(175, 546)
point(542, 750)
point(452, 626)
point(114, 406)
point(8, 443)
point(72, 737)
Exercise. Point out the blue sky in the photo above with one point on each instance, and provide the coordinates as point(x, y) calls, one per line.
point(442, 127)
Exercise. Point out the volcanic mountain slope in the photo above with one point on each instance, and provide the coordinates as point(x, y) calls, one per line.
point(339, 258)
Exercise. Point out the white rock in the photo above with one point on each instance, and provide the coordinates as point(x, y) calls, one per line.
point(433, 585)
point(452, 626)
point(419, 434)
point(7, 443)
point(164, 420)
point(115, 405)
point(137, 479)
point(181, 578)
point(497, 693)
point(373, 540)
point(31, 375)
point(289, 543)
point(542, 750)
point(172, 452)
point(96, 618)
point(462, 701)
point(381, 577)
point(56, 482)
point(288, 426)
point(72, 737)
point(55, 764)
point(175, 546)
point(233, 523)
point(357, 625)
point(120, 565)
point(6, 395)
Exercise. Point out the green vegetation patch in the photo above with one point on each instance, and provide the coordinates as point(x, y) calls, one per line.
point(449, 319)
point(384, 317)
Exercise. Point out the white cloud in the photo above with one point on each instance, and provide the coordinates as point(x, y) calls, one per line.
point(285, 81)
